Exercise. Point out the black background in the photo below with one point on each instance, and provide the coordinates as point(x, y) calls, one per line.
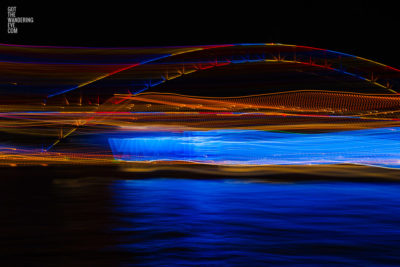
point(362, 28)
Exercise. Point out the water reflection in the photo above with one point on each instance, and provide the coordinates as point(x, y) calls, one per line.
point(187, 222)
point(191, 222)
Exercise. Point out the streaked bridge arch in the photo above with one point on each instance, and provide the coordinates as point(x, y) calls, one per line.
point(155, 72)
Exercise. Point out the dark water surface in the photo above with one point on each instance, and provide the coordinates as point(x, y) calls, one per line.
point(184, 222)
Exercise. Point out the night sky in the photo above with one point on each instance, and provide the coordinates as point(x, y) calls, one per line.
point(358, 28)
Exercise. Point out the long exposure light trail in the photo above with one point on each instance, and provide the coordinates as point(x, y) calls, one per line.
point(235, 105)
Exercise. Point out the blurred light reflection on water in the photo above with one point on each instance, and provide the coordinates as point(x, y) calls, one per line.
point(187, 222)
point(237, 222)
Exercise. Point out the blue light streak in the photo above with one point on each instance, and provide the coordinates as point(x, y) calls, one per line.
point(378, 147)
